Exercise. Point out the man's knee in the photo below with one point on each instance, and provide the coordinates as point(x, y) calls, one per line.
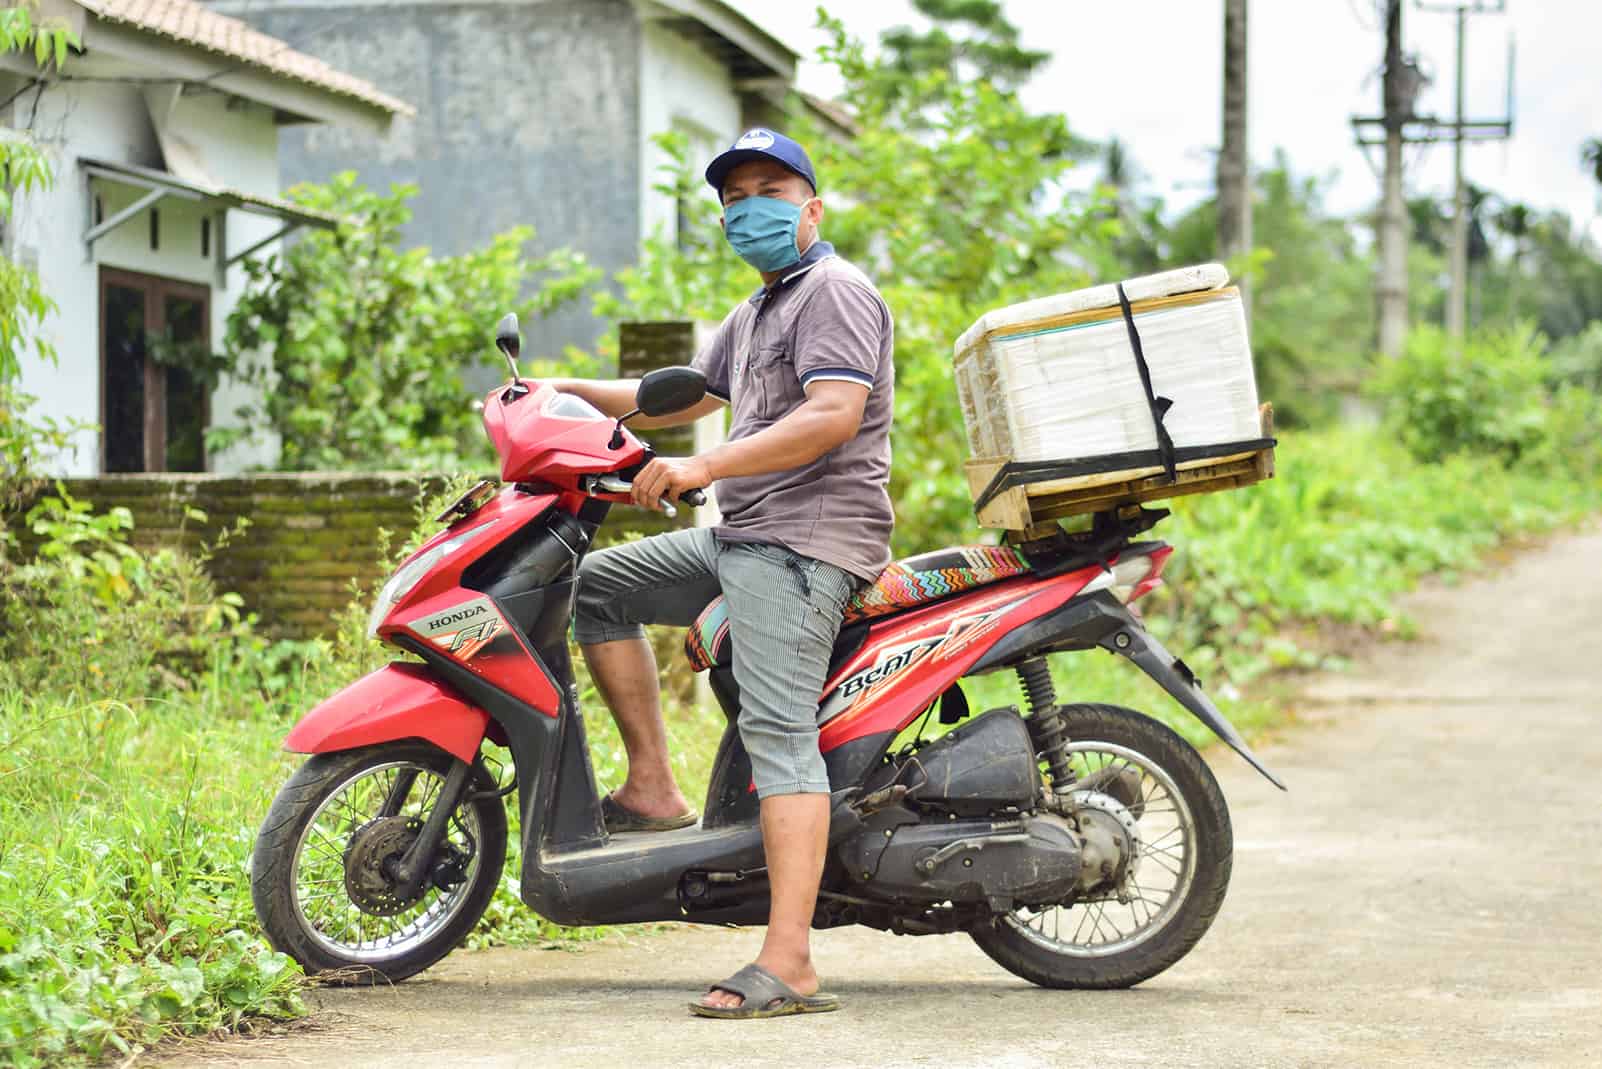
point(784, 754)
point(597, 608)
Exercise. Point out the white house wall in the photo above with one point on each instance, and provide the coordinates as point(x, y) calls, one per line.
point(110, 122)
point(681, 87)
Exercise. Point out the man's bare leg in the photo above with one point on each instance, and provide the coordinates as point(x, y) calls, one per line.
point(795, 837)
point(625, 673)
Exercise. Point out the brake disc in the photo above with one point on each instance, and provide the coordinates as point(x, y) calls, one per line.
point(1111, 837)
point(369, 886)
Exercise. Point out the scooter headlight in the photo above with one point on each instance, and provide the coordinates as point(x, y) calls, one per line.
point(411, 573)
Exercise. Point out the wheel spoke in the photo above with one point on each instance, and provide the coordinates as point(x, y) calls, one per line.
point(1159, 819)
point(319, 881)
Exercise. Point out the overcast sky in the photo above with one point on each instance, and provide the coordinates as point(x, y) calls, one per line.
point(1149, 71)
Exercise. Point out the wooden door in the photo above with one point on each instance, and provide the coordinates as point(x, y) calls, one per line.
point(153, 416)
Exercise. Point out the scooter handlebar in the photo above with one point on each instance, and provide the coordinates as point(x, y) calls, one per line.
point(612, 484)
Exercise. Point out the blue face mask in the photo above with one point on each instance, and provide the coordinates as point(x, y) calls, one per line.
point(762, 231)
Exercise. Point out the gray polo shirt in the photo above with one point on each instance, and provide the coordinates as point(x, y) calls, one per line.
point(821, 321)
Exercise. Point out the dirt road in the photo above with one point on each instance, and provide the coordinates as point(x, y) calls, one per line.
point(1429, 892)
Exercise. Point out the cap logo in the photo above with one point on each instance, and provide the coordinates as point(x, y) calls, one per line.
point(755, 139)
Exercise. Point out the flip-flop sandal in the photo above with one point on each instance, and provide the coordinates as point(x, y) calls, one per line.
point(765, 995)
point(618, 817)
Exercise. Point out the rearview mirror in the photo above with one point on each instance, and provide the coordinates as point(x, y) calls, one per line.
point(669, 389)
point(509, 341)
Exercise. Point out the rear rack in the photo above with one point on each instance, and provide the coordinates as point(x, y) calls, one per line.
point(1053, 551)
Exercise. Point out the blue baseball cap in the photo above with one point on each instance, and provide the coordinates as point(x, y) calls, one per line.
point(760, 143)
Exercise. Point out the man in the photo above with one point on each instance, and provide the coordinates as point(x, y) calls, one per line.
point(806, 365)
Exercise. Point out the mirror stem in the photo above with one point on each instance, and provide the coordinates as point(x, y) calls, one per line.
point(617, 431)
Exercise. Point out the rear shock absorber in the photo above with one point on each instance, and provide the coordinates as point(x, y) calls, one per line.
point(1046, 730)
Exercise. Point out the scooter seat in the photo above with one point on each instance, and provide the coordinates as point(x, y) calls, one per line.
point(905, 584)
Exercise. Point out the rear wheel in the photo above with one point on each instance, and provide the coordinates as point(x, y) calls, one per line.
point(1165, 799)
point(320, 873)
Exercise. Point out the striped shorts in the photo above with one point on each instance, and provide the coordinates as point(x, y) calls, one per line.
point(784, 615)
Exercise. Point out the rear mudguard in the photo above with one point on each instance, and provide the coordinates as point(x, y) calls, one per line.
point(1174, 676)
point(399, 701)
point(1100, 620)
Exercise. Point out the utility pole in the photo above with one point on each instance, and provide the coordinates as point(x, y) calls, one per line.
point(1457, 299)
point(1234, 163)
point(1400, 91)
point(1401, 126)
point(1402, 80)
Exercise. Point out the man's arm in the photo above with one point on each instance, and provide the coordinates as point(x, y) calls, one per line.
point(828, 418)
point(615, 397)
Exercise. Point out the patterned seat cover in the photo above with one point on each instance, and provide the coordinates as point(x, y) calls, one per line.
point(905, 584)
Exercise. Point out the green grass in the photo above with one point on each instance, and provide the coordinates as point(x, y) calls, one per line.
point(125, 831)
point(126, 818)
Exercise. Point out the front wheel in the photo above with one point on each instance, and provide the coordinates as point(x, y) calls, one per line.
point(320, 871)
point(1158, 788)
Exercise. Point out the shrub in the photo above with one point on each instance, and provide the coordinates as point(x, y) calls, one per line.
point(91, 613)
point(1482, 394)
point(1577, 359)
point(369, 341)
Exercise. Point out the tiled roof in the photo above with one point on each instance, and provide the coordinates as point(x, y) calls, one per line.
point(193, 24)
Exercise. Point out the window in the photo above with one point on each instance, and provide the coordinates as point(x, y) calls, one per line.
point(153, 411)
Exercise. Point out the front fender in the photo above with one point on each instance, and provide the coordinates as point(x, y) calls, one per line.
point(399, 701)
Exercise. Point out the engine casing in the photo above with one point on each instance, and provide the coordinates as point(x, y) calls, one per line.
point(1024, 860)
point(967, 828)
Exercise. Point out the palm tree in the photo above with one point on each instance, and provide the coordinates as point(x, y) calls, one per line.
point(1516, 221)
point(1591, 156)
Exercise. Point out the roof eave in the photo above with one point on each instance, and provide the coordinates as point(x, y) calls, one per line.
point(291, 99)
point(761, 46)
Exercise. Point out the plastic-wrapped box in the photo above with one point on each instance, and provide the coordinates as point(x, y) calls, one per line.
point(1083, 390)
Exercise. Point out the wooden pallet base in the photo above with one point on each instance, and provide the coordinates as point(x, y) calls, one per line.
point(1023, 507)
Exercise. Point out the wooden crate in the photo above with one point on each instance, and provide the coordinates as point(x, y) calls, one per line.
point(1023, 507)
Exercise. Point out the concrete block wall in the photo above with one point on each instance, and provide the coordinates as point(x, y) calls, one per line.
point(309, 534)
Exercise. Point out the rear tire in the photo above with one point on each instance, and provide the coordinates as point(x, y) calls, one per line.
point(1009, 939)
point(288, 845)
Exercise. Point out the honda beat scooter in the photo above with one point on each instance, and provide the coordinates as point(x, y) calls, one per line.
point(1079, 845)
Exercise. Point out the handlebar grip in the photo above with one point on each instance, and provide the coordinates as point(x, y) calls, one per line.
point(694, 498)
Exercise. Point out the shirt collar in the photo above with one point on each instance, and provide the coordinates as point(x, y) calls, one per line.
point(818, 251)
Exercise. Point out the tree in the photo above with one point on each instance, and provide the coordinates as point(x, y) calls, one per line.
point(1514, 220)
point(986, 48)
point(24, 439)
point(1138, 239)
point(1312, 307)
point(1234, 183)
point(368, 342)
point(969, 41)
point(1591, 156)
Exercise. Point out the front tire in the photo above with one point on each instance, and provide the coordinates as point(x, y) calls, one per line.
point(1179, 801)
point(317, 875)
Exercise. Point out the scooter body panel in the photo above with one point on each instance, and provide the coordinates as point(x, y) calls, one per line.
point(463, 624)
point(909, 659)
point(399, 701)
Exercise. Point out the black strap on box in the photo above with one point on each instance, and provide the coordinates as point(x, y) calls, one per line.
point(1020, 473)
point(1159, 405)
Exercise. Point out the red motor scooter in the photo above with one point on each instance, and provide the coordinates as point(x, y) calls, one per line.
point(1078, 845)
